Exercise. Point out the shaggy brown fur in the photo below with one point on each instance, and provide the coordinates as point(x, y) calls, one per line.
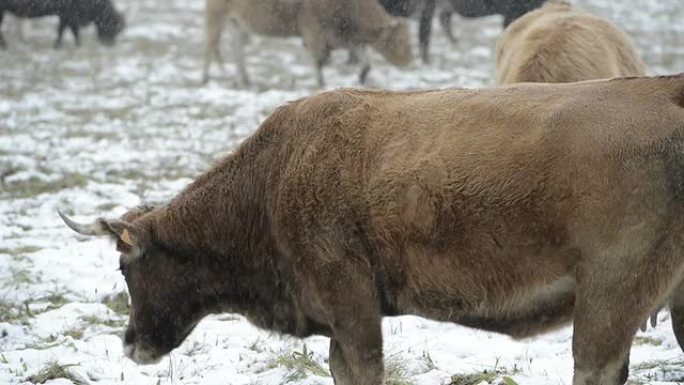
point(323, 25)
point(558, 44)
point(514, 209)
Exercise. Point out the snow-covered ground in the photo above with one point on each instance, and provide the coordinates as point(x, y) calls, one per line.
point(93, 131)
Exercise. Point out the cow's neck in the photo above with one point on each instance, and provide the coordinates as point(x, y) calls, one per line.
point(221, 220)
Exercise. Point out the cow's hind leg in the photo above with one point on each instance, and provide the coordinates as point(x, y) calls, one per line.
point(362, 53)
point(614, 296)
point(314, 40)
point(425, 28)
point(445, 22)
point(238, 41)
point(214, 17)
point(60, 32)
point(3, 43)
point(74, 27)
point(605, 322)
point(19, 28)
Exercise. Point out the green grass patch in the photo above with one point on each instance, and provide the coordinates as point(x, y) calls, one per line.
point(43, 343)
point(15, 313)
point(488, 376)
point(648, 341)
point(658, 364)
point(75, 333)
point(19, 253)
point(19, 276)
point(474, 378)
point(56, 300)
point(53, 371)
point(658, 370)
point(118, 303)
point(509, 381)
point(300, 365)
point(395, 371)
point(110, 322)
point(35, 186)
point(106, 206)
point(21, 313)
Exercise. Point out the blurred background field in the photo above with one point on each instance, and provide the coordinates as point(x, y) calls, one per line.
point(95, 130)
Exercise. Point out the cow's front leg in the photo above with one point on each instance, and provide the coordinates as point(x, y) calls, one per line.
point(362, 53)
point(74, 27)
point(349, 300)
point(677, 313)
point(338, 365)
point(356, 350)
point(313, 36)
point(612, 301)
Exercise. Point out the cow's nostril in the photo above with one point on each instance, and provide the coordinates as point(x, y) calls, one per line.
point(129, 336)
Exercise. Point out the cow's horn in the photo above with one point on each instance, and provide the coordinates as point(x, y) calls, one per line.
point(96, 228)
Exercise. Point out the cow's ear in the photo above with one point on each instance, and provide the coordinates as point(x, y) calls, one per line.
point(128, 237)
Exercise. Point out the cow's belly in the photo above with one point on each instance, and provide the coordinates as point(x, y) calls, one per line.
point(531, 311)
point(520, 312)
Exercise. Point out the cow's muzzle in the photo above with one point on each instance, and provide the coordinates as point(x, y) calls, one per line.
point(137, 352)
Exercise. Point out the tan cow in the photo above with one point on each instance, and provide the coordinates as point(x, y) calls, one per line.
point(516, 210)
point(323, 25)
point(557, 43)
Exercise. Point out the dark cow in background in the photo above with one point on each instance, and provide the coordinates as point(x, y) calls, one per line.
point(509, 9)
point(516, 209)
point(72, 13)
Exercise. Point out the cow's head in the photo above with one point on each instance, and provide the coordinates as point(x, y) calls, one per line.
point(394, 43)
point(109, 24)
point(167, 300)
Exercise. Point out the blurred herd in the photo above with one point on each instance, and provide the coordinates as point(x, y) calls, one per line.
point(552, 42)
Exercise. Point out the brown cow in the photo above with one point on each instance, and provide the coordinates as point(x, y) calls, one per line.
point(558, 44)
point(515, 209)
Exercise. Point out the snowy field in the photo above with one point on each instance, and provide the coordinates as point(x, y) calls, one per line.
point(93, 131)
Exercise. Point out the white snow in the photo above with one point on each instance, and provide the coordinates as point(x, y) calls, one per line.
point(93, 131)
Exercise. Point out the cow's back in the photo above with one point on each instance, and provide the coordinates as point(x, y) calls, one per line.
point(557, 44)
point(37, 8)
point(266, 17)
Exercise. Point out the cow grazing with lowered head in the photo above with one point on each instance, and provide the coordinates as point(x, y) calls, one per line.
point(73, 14)
point(515, 209)
point(323, 25)
point(557, 44)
